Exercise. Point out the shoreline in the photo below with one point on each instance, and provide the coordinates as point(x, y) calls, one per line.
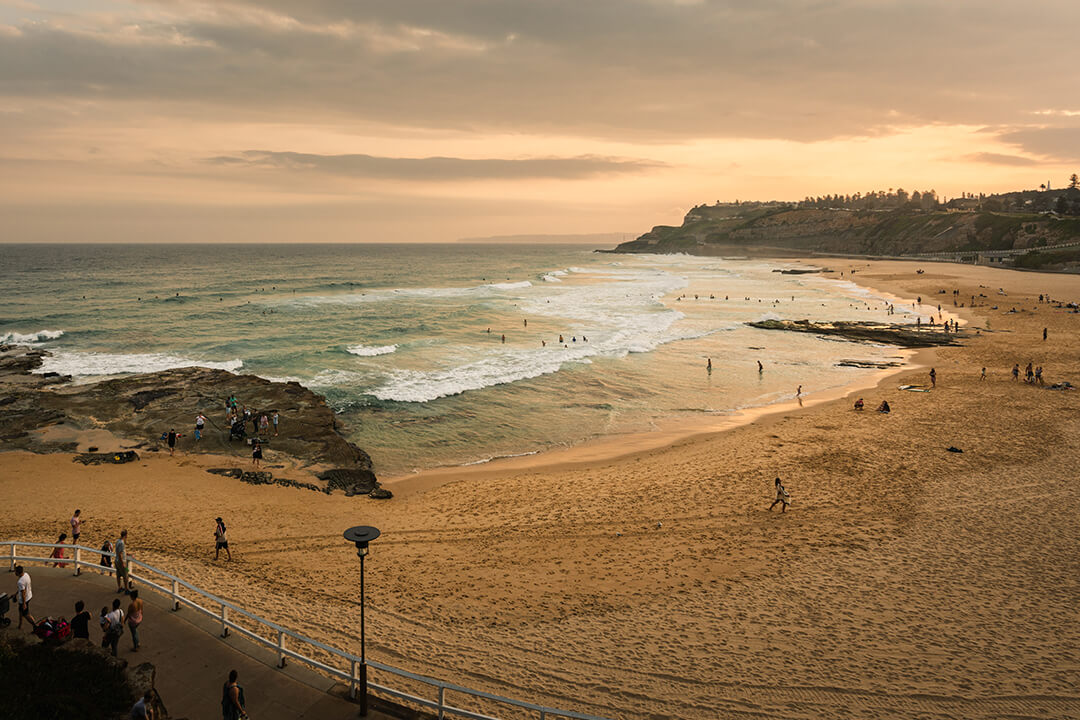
point(609, 449)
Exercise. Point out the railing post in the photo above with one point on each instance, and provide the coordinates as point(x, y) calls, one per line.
point(224, 620)
point(78, 558)
point(354, 678)
point(175, 595)
point(442, 702)
point(281, 649)
point(12, 568)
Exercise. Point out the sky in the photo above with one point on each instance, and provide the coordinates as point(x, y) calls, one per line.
point(433, 120)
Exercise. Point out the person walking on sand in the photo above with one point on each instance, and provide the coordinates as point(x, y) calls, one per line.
point(760, 367)
point(171, 439)
point(1044, 334)
point(134, 618)
point(708, 366)
point(933, 378)
point(23, 594)
point(76, 526)
point(1016, 372)
point(221, 540)
point(781, 497)
point(256, 454)
point(983, 376)
point(123, 580)
point(232, 699)
point(200, 423)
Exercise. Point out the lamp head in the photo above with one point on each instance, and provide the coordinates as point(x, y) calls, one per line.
point(360, 536)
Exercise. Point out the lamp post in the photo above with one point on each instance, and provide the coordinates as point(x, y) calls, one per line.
point(360, 536)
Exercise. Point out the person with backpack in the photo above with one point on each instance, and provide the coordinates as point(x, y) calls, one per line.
point(114, 627)
point(232, 699)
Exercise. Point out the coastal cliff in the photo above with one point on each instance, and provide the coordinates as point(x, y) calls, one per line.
point(47, 413)
point(749, 227)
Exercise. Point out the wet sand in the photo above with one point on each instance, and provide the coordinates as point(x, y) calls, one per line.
point(904, 581)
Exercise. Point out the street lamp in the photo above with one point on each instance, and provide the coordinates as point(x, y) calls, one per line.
point(360, 536)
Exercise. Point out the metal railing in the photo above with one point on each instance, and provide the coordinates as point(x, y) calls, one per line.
point(174, 588)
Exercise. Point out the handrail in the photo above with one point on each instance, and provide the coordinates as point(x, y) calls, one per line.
point(283, 652)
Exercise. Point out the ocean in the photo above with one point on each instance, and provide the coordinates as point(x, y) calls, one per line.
point(441, 355)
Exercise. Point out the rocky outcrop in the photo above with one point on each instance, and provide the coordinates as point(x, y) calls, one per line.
point(48, 414)
point(900, 335)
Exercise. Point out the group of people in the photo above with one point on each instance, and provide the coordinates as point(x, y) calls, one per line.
point(882, 408)
point(236, 414)
point(1032, 376)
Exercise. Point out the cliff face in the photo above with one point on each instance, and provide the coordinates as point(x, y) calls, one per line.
point(712, 230)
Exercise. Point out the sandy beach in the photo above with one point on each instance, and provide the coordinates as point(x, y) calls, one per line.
point(651, 581)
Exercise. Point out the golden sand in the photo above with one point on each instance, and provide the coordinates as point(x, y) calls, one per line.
point(904, 581)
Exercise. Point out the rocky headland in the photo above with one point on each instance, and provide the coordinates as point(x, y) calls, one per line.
point(908, 336)
point(113, 420)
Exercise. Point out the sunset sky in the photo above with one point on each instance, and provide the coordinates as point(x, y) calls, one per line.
point(432, 120)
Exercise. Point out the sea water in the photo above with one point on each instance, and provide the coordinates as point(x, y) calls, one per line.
point(445, 354)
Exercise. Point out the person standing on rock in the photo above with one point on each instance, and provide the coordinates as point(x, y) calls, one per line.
point(221, 539)
point(275, 419)
point(264, 424)
point(171, 439)
point(200, 423)
point(256, 454)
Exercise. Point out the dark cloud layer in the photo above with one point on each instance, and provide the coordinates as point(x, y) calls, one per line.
point(626, 69)
point(435, 168)
point(1061, 144)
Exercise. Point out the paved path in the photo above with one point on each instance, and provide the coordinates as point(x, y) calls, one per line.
point(192, 661)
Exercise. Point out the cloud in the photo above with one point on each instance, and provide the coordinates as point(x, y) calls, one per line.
point(643, 70)
point(999, 159)
point(1058, 144)
point(436, 168)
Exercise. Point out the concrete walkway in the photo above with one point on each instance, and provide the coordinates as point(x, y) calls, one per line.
point(192, 660)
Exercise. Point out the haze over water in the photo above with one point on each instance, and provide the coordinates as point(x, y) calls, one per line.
point(396, 337)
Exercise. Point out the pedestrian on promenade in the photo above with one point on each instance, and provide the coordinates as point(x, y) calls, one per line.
point(123, 579)
point(80, 623)
point(23, 594)
point(221, 539)
point(134, 618)
point(114, 627)
point(76, 526)
point(232, 699)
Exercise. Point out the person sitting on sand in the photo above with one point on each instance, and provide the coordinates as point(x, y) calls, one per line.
point(781, 497)
point(859, 404)
point(884, 407)
point(58, 552)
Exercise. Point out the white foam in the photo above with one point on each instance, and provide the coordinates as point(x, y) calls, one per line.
point(551, 277)
point(91, 364)
point(370, 350)
point(27, 338)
